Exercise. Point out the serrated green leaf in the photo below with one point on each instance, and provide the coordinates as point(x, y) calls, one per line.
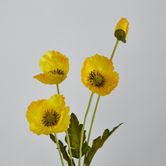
point(63, 150)
point(74, 132)
point(98, 143)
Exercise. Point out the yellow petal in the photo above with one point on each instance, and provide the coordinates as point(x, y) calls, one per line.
point(53, 60)
point(49, 78)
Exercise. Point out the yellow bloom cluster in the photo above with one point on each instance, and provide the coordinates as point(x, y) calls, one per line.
point(51, 116)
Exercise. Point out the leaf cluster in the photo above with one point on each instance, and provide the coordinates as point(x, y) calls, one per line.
point(98, 143)
point(74, 132)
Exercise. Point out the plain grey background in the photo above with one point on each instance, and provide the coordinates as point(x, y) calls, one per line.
point(80, 29)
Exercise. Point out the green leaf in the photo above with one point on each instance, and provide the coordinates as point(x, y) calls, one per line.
point(74, 132)
point(98, 143)
point(63, 150)
point(65, 155)
point(53, 138)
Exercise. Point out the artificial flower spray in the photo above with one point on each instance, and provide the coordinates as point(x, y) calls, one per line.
point(52, 116)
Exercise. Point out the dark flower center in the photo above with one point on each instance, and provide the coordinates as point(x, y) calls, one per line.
point(50, 118)
point(57, 71)
point(96, 79)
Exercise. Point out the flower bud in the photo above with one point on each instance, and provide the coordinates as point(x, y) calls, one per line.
point(121, 29)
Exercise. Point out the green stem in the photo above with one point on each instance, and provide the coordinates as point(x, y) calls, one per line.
point(92, 121)
point(93, 117)
point(82, 132)
point(67, 135)
point(60, 154)
point(58, 147)
point(114, 49)
point(57, 87)
point(69, 146)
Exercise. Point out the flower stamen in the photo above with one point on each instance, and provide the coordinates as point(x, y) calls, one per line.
point(96, 79)
point(50, 118)
point(57, 71)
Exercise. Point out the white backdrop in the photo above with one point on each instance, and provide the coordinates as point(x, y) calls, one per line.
point(80, 29)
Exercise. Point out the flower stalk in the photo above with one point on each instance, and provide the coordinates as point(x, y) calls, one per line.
point(58, 147)
point(82, 132)
point(56, 138)
point(69, 146)
point(114, 49)
point(67, 134)
point(93, 118)
point(57, 88)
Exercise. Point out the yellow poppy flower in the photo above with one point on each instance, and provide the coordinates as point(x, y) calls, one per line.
point(55, 67)
point(121, 29)
point(98, 75)
point(48, 116)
